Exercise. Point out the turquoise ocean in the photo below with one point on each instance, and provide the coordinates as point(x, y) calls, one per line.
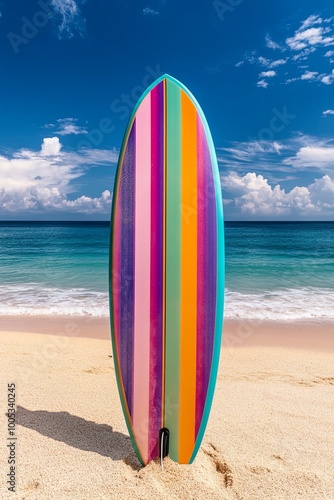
point(279, 270)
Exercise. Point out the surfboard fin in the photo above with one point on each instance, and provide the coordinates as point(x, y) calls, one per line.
point(164, 444)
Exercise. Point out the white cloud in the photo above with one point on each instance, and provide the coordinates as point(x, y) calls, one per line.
point(71, 20)
point(291, 80)
point(312, 76)
point(301, 39)
point(302, 152)
point(245, 151)
point(94, 157)
point(71, 129)
point(271, 64)
point(240, 155)
point(67, 126)
point(309, 75)
point(240, 63)
point(314, 33)
point(263, 60)
point(303, 55)
point(308, 35)
point(51, 146)
point(150, 12)
point(268, 74)
point(41, 181)
point(253, 195)
point(327, 79)
point(278, 62)
point(273, 45)
point(328, 112)
point(249, 149)
point(277, 146)
point(310, 21)
point(318, 156)
point(87, 205)
point(262, 84)
point(322, 190)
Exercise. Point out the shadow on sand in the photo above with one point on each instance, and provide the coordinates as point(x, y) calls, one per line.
point(80, 433)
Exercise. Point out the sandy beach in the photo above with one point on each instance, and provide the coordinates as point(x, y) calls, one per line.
point(269, 435)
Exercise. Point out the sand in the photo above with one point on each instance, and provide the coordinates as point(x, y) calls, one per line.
point(270, 434)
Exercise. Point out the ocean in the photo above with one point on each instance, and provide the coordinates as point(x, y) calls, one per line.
point(276, 271)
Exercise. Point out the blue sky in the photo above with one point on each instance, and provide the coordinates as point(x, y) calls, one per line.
point(72, 71)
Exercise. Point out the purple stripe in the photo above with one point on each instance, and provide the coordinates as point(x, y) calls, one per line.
point(116, 281)
point(157, 225)
point(206, 271)
point(127, 189)
point(211, 260)
point(201, 256)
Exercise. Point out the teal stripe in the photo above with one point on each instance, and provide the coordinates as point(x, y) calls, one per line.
point(173, 265)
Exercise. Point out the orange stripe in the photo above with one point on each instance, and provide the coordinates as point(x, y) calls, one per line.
point(188, 281)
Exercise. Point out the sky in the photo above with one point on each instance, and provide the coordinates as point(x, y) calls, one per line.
point(72, 71)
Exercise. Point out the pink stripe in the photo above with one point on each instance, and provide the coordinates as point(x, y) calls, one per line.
point(141, 382)
point(116, 269)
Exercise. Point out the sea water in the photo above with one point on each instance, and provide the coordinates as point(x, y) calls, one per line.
point(281, 270)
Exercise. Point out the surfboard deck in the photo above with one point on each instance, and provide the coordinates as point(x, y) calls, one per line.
point(167, 272)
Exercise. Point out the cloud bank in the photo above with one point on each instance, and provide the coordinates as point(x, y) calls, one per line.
point(252, 173)
point(42, 181)
point(253, 196)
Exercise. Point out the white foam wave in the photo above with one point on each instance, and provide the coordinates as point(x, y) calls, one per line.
point(289, 304)
point(32, 299)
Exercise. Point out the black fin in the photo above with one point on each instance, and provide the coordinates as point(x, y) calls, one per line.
point(164, 442)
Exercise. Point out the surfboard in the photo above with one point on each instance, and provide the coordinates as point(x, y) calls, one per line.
point(167, 272)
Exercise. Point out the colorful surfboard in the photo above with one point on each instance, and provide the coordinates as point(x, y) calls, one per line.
point(167, 272)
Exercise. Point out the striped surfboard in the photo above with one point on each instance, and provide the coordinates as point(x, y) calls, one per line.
point(167, 272)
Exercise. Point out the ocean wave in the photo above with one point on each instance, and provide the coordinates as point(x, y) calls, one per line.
point(289, 304)
point(32, 299)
